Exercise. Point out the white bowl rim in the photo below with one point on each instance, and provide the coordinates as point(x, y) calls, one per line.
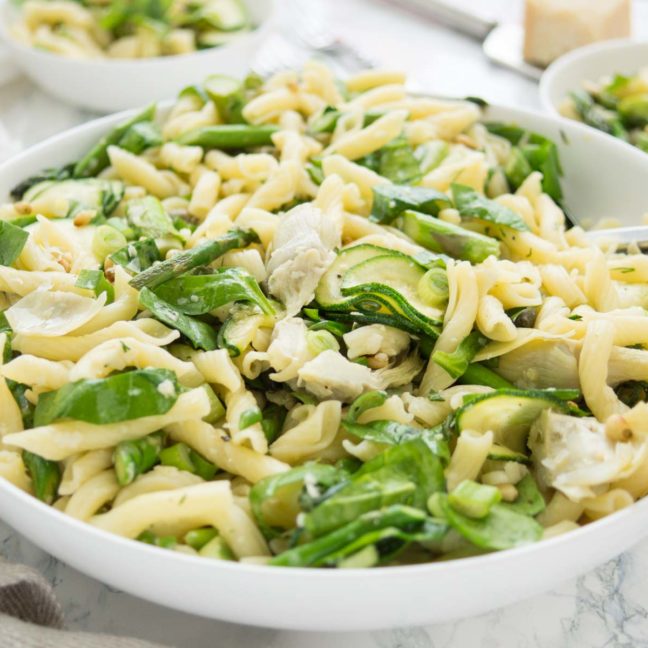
point(114, 64)
point(266, 571)
point(576, 55)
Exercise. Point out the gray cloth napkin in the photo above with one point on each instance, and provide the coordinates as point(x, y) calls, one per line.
point(31, 617)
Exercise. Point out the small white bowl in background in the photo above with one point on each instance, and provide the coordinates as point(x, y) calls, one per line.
point(108, 85)
point(589, 63)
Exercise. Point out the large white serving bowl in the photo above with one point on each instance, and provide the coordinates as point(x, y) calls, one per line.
point(107, 85)
point(603, 177)
point(589, 63)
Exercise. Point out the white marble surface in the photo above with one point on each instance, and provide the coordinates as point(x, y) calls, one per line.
point(606, 608)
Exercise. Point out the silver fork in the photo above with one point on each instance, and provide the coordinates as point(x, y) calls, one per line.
point(306, 33)
point(311, 29)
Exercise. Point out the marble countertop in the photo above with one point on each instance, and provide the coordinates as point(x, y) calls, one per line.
point(605, 608)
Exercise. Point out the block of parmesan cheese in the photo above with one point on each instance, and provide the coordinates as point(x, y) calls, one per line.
point(553, 27)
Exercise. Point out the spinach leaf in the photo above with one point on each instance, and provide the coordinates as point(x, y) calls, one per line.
point(200, 334)
point(96, 281)
point(45, 476)
point(137, 256)
point(319, 477)
point(12, 242)
point(389, 201)
point(199, 294)
point(388, 531)
point(148, 218)
point(403, 474)
point(26, 408)
point(392, 433)
point(529, 500)
point(471, 204)
point(121, 397)
point(457, 362)
point(398, 163)
point(502, 528)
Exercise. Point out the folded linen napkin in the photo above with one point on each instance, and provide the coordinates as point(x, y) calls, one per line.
point(31, 617)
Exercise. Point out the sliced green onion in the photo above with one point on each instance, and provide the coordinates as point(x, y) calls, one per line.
point(106, 241)
point(474, 500)
point(319, 341)
point(433, 287)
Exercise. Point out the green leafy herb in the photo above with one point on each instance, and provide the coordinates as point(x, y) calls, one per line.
point(200, 334)
point(199, 294)
point(388, 531)
point(403, 474)
point(96, 281)
point(471, 204)
point(121, 397)
point(529, 500)
point(147, 218)
point(264, 491)
point(12, 242)
point(502, 528)
point(137, 256)
point(45, 476)
point(390, 201)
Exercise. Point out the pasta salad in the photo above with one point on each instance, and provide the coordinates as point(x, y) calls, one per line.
point(617, 105)
point(128, 29)
point(319, 323)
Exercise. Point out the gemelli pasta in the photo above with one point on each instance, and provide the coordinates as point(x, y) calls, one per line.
point(92, 29)
point(321, 323)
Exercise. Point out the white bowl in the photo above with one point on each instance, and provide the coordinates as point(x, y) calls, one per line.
point(109, 85)
point(602, 177)
point(589, 63)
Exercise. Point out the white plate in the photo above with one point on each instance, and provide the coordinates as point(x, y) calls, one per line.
point(590, 63)
point(109, 85)
point(602, 177)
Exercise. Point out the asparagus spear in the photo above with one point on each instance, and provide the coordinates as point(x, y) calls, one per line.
point(229, 136)
point(200, 255)
point(132, 458)
point(597, 116)
point(97, 159)
point(440, 236)
point(45, 476)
